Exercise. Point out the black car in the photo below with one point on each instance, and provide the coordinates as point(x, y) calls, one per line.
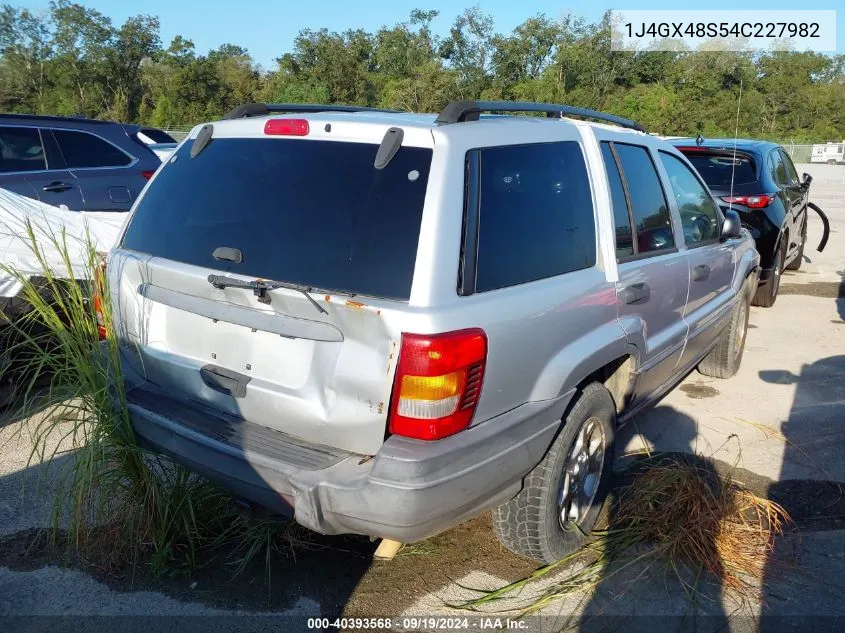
point(758, 180)
point(76, 163)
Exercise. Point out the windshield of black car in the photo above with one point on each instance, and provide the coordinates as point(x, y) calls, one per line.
point(315, 213)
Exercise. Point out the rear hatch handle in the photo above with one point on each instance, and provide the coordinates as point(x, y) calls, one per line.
point(225, 380)
point(260, 287)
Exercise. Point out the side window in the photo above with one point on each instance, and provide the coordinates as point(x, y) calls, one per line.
point(648, 202)
point(535, 214)
point(791, 173)
point(621, 216)
point(21, 150)
point(81, 149)
point(777, 169)
point(699, 215)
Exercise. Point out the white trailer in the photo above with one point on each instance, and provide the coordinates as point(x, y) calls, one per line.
point(830, 153)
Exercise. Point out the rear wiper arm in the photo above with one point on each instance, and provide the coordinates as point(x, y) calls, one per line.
point(260, 287)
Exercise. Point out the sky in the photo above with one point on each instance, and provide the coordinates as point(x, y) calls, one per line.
point(268, 29)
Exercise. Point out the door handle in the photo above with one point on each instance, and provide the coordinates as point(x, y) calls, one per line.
point(225, 381)
point(700, 273)
point(57, 187)
point(636, 294)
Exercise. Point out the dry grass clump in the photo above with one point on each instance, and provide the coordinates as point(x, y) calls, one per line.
point(677, 513)
point(689, 514)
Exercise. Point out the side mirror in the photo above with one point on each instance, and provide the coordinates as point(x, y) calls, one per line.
point(806, 179)
point(732, 226)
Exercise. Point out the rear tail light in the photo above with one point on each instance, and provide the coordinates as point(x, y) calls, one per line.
point(438, 382)
point(99, 294)
point(148, 174)
point(286, 127)
point(752, 202)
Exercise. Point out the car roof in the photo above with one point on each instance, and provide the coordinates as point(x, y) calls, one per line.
point(49, 118)
point(743, 144)
point(426, 121)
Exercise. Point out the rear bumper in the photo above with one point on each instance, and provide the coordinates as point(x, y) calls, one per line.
point(410, 490)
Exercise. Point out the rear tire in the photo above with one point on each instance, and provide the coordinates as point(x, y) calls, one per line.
point(531, 523)
point(766, 295)
point(724, 360)
point(795, 264)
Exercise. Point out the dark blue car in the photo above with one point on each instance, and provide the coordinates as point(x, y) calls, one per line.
point(75, 163)
point(758, 180)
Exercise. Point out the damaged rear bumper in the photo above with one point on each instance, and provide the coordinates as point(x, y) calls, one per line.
point(410, 490)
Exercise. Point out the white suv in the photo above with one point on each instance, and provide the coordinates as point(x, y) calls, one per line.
point(387, 323)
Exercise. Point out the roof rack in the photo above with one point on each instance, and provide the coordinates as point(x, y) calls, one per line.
point(460, 111)
point(263, 109)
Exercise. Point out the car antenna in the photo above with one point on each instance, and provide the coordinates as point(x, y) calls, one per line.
point(736, 133)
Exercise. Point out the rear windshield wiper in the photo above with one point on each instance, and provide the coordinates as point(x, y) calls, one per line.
point(260, 287)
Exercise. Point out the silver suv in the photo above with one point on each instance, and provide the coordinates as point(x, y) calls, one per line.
point(387, 323)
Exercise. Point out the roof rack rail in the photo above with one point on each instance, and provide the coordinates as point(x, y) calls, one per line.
point(263, 109)
point(460, 111)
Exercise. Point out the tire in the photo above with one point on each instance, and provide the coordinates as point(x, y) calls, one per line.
point(766, 296)
point(831, 161)
point(724, 360)
point(795, 264)
point(530, 524)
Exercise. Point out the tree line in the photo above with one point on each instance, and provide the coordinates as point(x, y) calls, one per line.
point(70, 59)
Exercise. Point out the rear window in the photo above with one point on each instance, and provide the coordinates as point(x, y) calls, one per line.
point(309, 212)
point(157, 136)
point(716, 169)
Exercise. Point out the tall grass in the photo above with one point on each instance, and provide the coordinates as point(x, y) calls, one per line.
point(115, 501)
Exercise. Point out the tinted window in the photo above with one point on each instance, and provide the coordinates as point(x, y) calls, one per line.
point(699, 216)
point(791, 174)
point(21, 150)
point(157, 136)
point(719, 170)
point(536, 214)
point(310, 212)
point(651, 213)
point(81, 149)
point(622, 221)
point(777, 169)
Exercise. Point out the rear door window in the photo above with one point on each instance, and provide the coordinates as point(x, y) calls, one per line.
point(21, 150)
point(83, 150)
point(648, 201)
point(309, 212)
point(535, 214)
